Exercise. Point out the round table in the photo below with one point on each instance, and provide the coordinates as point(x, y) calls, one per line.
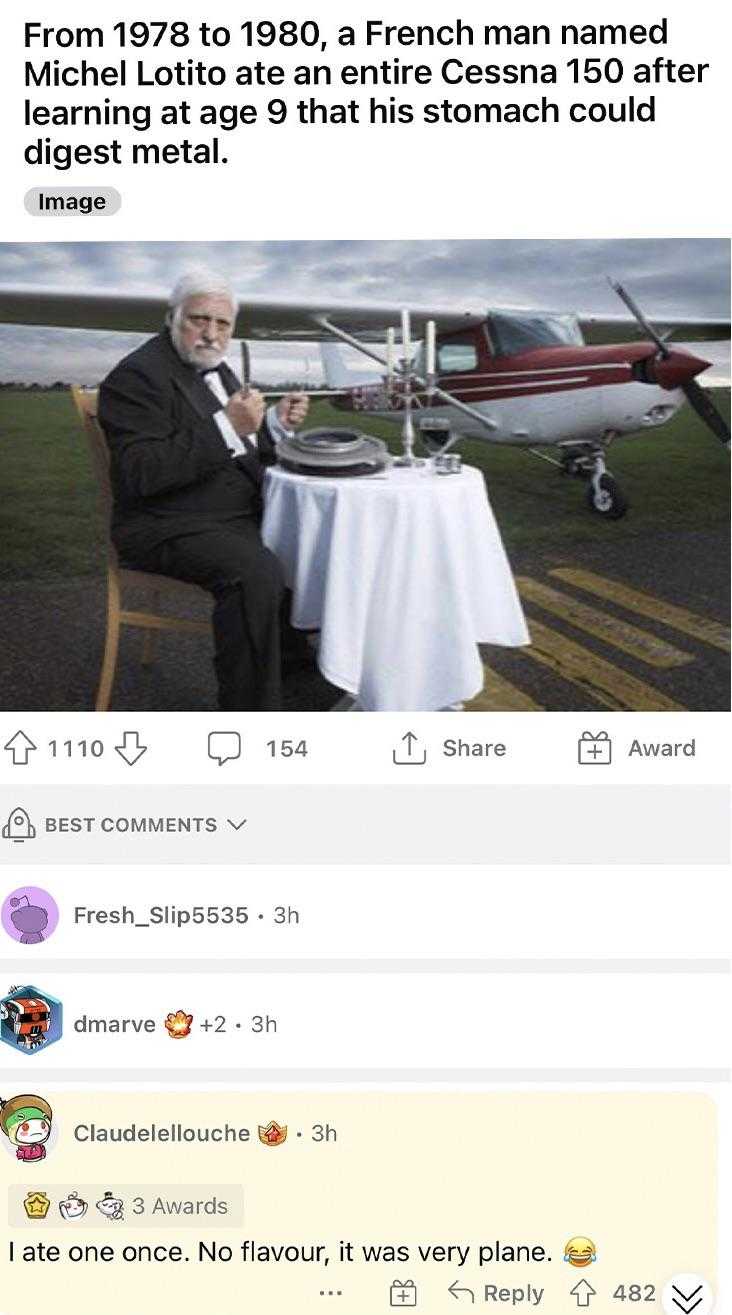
point(403, 573)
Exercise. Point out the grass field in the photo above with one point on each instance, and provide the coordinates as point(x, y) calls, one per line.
point(676, 477)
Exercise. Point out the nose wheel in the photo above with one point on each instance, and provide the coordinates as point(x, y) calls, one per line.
point(604, 495)
point(605, 498)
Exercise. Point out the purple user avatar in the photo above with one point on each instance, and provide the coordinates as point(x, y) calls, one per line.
point(30, 915)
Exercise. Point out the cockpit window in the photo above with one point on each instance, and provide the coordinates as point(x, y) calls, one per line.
point(456, 357)
point(524, 333)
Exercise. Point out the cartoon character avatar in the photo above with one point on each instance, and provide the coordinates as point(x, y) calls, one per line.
point(26, 1122)
point(30, 1019)
point(29, 919)
point(25, 1020)
point(29, 915)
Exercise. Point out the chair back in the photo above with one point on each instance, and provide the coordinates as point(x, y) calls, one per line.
point(85, 401)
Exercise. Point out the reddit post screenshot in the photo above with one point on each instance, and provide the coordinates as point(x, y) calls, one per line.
point(366, 927)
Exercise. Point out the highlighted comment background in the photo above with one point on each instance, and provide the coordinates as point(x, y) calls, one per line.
point(636, 1173)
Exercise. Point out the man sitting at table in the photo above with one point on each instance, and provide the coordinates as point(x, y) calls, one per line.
point(188, 449)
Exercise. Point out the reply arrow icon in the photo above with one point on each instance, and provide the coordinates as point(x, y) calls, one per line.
point(130, 750)
point(456, 1291)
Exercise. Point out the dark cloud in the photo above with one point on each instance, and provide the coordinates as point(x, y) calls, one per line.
point(671, 276)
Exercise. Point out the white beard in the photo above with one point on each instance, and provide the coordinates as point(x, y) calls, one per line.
point(202, 358)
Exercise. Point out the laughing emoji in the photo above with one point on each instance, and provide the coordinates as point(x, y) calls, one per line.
point(580, 1252)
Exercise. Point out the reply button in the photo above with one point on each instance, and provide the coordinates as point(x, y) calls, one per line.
point(72, 201)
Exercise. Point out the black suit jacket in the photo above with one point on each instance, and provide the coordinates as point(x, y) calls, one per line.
point(171, 470)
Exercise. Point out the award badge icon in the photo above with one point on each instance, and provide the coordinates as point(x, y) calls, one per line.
point(112, 1207)
point(179, 1024)
point(73, 1207)
point(274, 1134)
point(36, 1205)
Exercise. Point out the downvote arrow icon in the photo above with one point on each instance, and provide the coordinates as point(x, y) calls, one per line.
point(583, 1293)
point(130, 750)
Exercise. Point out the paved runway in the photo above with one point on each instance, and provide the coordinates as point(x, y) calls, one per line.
point(640, 627)
point(643, 627)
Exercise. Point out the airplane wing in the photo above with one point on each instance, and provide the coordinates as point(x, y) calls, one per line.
point(259, 317)
point(623, 328)
point(264, 318)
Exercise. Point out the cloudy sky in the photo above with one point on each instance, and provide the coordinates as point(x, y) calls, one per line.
point(669, 277)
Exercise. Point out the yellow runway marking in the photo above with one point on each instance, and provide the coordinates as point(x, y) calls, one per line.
point(677, 618)
point(499, 695)
point(608, 685)
point(620, 634)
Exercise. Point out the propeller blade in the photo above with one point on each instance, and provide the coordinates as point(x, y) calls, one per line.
point(697, 397)
point(636, 311)
point(702, 403)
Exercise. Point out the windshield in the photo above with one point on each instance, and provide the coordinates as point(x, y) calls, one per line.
point(518, 332)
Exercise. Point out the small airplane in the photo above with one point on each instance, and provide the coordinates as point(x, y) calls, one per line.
point(534, 379)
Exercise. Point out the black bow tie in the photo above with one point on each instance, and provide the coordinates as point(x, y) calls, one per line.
point(212, 369)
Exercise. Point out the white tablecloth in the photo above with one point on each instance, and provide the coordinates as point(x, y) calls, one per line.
point(403, 575)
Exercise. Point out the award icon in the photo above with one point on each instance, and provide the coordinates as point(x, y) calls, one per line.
point(36, 1205)
point(403, 1294)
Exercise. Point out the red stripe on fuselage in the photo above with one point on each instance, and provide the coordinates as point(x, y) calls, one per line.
point(526, 374)
point(541, 371)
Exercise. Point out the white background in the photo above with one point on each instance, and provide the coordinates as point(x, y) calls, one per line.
point(397, 913)
point(358, 748)
point(425, 1021)
point(663, 180)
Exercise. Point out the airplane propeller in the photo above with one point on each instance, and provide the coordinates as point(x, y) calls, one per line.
point(697, 397)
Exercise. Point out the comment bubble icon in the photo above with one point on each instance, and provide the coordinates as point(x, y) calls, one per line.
point(224, 746)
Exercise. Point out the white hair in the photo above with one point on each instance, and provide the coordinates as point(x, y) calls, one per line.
point(197, 282)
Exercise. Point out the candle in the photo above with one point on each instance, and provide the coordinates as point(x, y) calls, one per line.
point(390, 336)
point(406, 338)
point(430, 356)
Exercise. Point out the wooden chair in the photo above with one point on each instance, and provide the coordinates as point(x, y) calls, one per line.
point(120, 578)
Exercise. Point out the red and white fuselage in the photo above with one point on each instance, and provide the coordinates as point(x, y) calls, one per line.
point(558, 394)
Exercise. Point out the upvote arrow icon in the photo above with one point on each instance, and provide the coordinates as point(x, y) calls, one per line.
point(20, 746)
point(130, 749)
point(583, 1293)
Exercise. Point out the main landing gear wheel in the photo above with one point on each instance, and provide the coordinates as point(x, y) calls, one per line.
point(606, 498)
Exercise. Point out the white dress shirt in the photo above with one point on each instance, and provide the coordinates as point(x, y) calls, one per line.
point(235, 443)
